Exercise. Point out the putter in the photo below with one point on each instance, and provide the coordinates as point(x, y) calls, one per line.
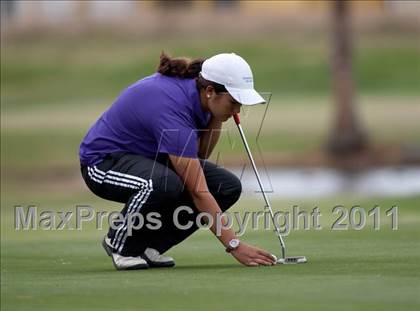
point(283, 259)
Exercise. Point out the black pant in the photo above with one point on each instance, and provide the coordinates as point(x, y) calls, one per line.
point(146, 185)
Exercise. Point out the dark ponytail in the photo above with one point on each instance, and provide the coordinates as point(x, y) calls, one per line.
point(186, 68)
point(180, 67)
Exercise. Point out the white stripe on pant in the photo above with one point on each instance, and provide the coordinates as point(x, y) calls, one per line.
point(135, 206)
point(129, 181)
point(99, 176)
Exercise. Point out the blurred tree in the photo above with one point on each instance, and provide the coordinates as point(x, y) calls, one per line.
point(174, 4)
point(347, 135)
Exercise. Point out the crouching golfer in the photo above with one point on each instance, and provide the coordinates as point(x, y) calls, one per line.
point(148, 151)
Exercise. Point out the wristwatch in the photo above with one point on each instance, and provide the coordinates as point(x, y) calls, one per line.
point(232, 245)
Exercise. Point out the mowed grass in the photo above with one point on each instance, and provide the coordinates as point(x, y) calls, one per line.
point(347, 270)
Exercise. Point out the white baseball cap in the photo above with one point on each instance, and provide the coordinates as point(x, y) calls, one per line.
point(234, 73)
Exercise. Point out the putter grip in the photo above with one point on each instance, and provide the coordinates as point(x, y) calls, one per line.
point(236, 117)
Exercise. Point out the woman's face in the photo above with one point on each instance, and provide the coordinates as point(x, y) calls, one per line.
point(222, 105)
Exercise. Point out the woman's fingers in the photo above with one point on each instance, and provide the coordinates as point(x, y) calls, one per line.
point(262, 261)
point(267, 255)
point(270, 260)
point(254, 256)
point(259, 260)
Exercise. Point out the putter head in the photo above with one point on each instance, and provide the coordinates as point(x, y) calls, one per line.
point(292, 260)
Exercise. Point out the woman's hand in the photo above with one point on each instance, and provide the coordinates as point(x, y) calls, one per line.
point(252, 256)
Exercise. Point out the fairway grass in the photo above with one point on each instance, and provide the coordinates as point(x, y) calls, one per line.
point(347, 270)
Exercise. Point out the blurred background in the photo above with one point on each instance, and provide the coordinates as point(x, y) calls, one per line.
point(342, 80)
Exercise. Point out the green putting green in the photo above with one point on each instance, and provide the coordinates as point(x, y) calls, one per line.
point(347, 270)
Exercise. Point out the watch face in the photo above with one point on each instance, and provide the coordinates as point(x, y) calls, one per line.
point(234, 243)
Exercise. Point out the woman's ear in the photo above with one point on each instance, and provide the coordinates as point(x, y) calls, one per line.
point(209, 91)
